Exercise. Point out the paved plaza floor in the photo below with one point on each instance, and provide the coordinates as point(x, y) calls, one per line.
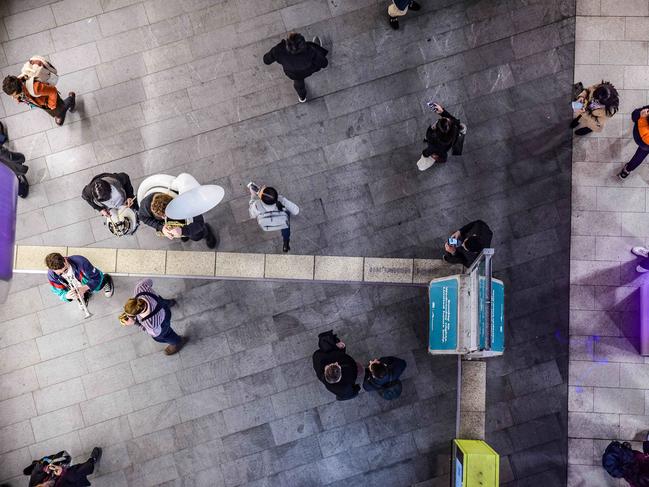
point(179, 85)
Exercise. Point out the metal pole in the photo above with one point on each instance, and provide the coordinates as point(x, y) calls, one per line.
point(459, 395)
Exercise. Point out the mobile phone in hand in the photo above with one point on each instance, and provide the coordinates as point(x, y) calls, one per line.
point(452, 241)
point(577, 105)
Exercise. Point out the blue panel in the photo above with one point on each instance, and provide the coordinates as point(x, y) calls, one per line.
point(497, 313)
point(8, 196)
point(443, 299)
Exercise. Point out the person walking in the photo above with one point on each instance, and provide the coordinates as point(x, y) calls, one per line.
point(152, 213)
point(334, 368)
point(593, 107)
point(382, 374)
point(299, 59)
point(74, 277)
point(464, 245)
point(621, 461)
point(109, 191)
point(15, 161)
point(152, 313)
point(440, 138)
point(643, 253)
point(56, 471)
point(30, 89)
point(399, 8)
point(273, 211)
point(640, 117)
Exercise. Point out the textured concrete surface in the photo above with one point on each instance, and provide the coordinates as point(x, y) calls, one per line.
point(171, 86)
point(608, 381)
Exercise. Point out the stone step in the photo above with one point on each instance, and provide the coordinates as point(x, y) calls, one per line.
point(233, 265)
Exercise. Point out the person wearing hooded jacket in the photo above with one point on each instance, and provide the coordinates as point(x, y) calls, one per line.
point(273, 212)
point(108, 191)
point(440, 138)
point(299, 59)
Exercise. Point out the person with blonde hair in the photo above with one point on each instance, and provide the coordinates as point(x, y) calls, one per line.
point(152, 313)
point(152, 213)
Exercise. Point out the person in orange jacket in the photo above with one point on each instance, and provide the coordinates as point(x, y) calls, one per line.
point(641, 136)
point(44, 96)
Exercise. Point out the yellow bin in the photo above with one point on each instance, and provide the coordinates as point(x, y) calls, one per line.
point(476, 464)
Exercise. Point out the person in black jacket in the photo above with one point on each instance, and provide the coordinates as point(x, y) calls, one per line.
point(464, 246)
point(108, 191)
point(382, 373)
point(15, 161)
point(334, 368)
point(55, 470)
point(299, 59)
point(440, 138)
point(152, 213)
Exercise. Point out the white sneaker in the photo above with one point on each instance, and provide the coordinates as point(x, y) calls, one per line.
point(301, 100)
point(640, 251)
point(641, 269)
point(316, 40)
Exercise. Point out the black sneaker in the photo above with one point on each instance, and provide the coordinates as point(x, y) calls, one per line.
point(394, 22)
point(286, 246)
point(623, 174)
point(11, 157)
point(108, 287)
point(184, 239)
point(96, 455)
point(414, 6)
point(171, 302)
point(73, 101)
point(23, 187)
point(210, 238)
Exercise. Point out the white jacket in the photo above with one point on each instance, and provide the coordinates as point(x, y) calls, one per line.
point(270, 217)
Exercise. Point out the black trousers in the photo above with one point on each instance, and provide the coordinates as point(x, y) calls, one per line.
point(62, 106)
point(300, 87)
point(197, 230)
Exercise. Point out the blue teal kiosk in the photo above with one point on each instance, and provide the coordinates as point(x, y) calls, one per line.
point(467, 312)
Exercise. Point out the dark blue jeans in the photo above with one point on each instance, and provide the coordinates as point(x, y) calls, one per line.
point(167, 334)
point(643, 149)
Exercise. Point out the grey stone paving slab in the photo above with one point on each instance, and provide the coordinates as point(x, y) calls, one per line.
point(179, 86)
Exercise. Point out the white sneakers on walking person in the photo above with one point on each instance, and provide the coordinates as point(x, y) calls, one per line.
point(640, 252)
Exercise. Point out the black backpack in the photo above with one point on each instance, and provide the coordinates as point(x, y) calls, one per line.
point(617, 458)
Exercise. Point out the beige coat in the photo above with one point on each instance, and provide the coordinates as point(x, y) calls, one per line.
point(596, 119)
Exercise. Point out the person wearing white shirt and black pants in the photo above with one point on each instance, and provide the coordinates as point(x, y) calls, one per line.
point(272, 211)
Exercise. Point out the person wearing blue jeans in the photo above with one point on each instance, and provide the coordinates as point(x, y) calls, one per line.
point(640, 117)
point(152, 313)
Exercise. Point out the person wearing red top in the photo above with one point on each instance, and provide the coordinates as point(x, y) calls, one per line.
point(44, 96)
point(641, 136)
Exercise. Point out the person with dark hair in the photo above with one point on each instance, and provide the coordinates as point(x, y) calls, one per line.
point(399, 8)
point(597, 103)
point(464, 245)
point(440, 138)
point(621, 461)
point(39, 94)
point(152, 314)
point(382, 374)
point(63, 271)
point(15, 161)
point(334, 368)
point(56, 471)
point(640, 117)
point(152, 212)
point(299, 59)
point(272, 210)
point(108, 191)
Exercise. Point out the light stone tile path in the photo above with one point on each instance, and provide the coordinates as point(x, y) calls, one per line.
point(178, 85)
point(608, 381)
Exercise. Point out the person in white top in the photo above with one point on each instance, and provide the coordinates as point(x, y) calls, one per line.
point(272, 211)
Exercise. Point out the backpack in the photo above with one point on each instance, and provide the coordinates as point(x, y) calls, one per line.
point(391, 390)
point(38, 69)
point(617, 458)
